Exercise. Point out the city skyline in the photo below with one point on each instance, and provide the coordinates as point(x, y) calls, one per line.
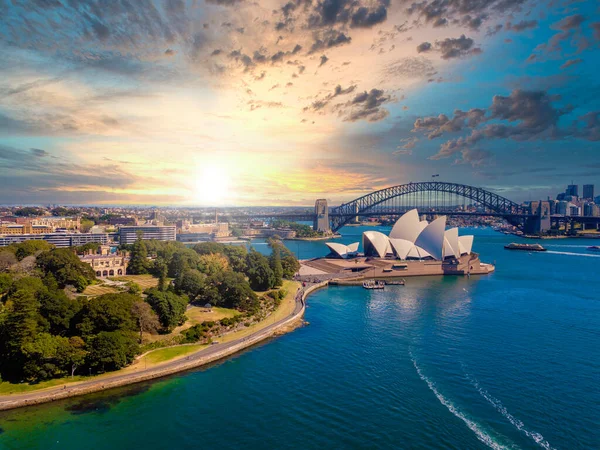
point(232, 103)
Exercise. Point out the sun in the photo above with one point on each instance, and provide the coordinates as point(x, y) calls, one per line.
point(212, 186)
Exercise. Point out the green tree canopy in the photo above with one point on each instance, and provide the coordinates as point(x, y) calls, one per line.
point(138, 263)
point(111, 350)
point(66, 268)
point(108, 312)
point(169, 307)
point(259, 273)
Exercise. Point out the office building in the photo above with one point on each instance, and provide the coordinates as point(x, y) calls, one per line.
point(59, 240)
point(572, 190)
point(588, 192)
point(128, 235)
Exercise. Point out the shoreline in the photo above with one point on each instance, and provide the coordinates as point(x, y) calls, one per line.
point(202, 357)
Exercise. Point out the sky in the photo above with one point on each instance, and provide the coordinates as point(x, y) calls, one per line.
point(241, 102)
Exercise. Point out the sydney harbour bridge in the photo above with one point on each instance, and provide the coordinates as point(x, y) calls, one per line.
point(429, 197)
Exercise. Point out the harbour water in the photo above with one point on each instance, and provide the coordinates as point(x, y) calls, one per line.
point(507, 360)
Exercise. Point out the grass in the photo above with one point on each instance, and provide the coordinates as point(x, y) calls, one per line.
point(169, 353)
point(285, 309)
point(197, 314)
point(144, 281)
point(95, 290)
point(21, 388)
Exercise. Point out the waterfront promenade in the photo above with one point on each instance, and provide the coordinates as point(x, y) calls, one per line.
point(207, 355)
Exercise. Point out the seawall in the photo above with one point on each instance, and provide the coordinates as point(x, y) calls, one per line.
point(205, 356)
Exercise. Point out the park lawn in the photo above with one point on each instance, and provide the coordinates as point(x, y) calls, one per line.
point(22, 388)
point(197, 314)
point(285, 309)
point(95, 290)
point(144, 281)
point(169, 353)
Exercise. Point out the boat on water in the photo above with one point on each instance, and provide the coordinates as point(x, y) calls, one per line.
point(526, 247)
point(395, 282)
point(594, 248)
point(372, 284)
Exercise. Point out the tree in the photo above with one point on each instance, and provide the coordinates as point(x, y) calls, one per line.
point(31, 247)
point(28, 211)
point(259, 273)
point(7, 259)
point(146, 319)
point(160, 270)
point(111, 350)
point(181, 261)
point(169, 307)
point(72, 353)
point(276, 267)
point(58, 310)
point(237, 257)
point(235, 292)
point(85, 225)
point(213, 263)
point(289, 263)
point(138, 263)
point(66, 268)
point(192, 283)
point(108, 312)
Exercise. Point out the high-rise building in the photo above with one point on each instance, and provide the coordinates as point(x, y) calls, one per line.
point(588, 191)
point(321, 222)
point(573, 190)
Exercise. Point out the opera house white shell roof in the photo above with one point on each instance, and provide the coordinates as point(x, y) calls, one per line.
point(341, 250)
point(411, 238)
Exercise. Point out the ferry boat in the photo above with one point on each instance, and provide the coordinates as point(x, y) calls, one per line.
point(372, 284)
point(527, 247)
point(594, 248)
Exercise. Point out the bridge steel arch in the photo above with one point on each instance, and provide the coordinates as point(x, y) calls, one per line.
point(344, 213)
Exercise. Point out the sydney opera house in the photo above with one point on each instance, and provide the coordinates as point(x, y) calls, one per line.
point(413, 247)
point(410, 238)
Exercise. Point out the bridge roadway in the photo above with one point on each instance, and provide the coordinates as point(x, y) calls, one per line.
point(310, 216)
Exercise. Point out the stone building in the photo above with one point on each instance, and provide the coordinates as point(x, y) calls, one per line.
point(107, 264)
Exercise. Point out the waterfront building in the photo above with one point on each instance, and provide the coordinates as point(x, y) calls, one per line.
point(341, 250)
point(412, 238)
point(588, 192)
point(128, 235)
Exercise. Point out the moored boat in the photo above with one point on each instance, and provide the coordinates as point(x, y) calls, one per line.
point(372, 284)
point(527, 247)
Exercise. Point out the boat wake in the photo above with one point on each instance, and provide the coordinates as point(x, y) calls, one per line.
point(473, 426)
point(573, 254)
point(497, 404)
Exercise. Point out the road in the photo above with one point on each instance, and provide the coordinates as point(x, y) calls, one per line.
point(204, 356)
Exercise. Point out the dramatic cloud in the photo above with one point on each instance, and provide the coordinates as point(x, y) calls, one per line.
point(523, 115)
point(469, 13)
point(522, 26)
point(366, 106)
point(451, 47)
point(328, 39)
point(411, 67)
point(570, 32)
point(318, 105)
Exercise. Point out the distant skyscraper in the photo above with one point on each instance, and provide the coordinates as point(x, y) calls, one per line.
point(588, 191)
point(573, 190)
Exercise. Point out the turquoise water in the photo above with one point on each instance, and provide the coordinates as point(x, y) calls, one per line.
point(509, 360)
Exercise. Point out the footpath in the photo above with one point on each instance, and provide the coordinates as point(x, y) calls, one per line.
point(197, 359)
